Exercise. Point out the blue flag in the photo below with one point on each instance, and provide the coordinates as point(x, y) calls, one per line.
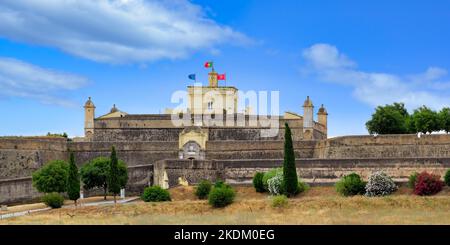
point(192, 77)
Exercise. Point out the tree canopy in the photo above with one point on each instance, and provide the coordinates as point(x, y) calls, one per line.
point(52, 177)
point(395, 119)
point(94, 174)
point(389, 119)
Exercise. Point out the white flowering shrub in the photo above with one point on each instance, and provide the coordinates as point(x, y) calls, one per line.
point(380, 184)
point(275, 184)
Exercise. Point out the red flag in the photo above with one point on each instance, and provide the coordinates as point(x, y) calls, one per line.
point(221, 77)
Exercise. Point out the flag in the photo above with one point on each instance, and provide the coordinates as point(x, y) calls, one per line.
point(191, 76)
point(221, 77)
point(208, 64)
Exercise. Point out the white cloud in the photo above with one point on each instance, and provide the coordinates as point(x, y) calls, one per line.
point(324, 56)
point(20, 79)
point(326, 63)
point(115, 31)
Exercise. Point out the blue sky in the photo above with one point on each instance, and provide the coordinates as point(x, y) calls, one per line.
point(348, 55)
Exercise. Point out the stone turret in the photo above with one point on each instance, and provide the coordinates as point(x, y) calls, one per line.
point(212, 78)
point(322, 116)
point(308, 120)
point(89, 115)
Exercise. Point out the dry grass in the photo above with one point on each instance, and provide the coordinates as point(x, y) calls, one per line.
point(320, 205)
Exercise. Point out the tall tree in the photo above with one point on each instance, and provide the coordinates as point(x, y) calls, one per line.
point(94, 174)
point(444, 119)
point(113, 176)
point(389, 119)
point(73, 180)
point(290, 179)
point(425, 120)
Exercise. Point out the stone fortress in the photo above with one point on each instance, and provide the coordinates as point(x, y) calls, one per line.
point(159, 152)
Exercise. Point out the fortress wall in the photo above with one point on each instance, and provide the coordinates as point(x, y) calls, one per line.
point(21, 156)
point(19, 190)
point(138, 134)
point(313, 171)
point(134, 123)
point(257, 149)
point(133, 153)
point(385, 146)
point(122, 129)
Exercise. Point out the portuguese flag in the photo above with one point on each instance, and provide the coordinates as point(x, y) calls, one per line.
point(208, 64)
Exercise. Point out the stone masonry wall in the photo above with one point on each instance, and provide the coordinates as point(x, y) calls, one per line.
point(313, 171)
point(20, 156)
point(234, 160)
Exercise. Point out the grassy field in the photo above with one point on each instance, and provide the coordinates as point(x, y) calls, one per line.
point(319, 205)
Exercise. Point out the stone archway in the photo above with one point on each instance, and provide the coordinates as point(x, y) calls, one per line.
point(192, 150)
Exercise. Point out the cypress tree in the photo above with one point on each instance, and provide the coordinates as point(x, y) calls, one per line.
point(113, 175)
point(73, 180)
point(290, 179)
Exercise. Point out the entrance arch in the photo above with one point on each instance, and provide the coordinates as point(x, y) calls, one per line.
point(191, 150)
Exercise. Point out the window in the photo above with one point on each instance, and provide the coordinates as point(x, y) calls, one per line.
point(210, 105)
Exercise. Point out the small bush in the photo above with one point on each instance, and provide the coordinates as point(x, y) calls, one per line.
point(276, 184)
point(258, 182)
point(412, 180)
point(155, 194)
point(428, 184)
point(302, 186)
point(220, 183)
point(269, 175)
point(447, 178)
point(203, 189)
point(380, 185)
point(350, 185)
point(279, 201)
point(221, 196)
point(53, 200)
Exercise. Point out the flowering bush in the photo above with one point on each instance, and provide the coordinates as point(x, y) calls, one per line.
point(380, 184)
point(275, 184)
point(269, 175)
point(428, 184)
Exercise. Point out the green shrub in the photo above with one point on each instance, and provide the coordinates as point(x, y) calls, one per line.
point(269, 175)
point(302, 186)
point(350, 185)
point(53, 200)
point(412, 179)
point(279, 201)
point(447, 178)
point(221, 196)
point(155, 194)
point(220, 183)
point(52, 177)
point(258, 182)
point(203, 189)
